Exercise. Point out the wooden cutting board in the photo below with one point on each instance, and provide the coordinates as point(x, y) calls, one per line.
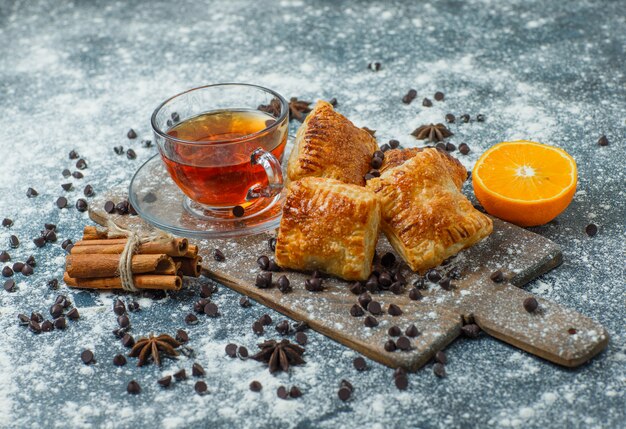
point(553, 332)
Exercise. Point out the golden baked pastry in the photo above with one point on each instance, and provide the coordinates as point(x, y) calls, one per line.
point(424, 215)
point(396, 157)
point(327, 144)
point(329, 226)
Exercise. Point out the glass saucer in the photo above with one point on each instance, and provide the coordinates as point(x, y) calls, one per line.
point(158, 200)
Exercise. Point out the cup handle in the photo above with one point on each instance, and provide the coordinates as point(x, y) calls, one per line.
point(274, 172)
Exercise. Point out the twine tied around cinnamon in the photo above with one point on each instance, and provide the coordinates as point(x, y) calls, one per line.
point(133, 241)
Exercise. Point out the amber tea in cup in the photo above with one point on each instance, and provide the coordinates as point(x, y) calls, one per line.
point(223, 144)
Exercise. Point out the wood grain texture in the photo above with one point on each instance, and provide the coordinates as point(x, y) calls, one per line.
point(521, 255)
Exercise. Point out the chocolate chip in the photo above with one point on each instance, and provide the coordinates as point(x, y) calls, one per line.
point(81, 164)
point(238, 211)
point(133, 388)
point(441, 357)
point(146, 143)
point(282, 393)
point(403, 343)
point(450, 147)
point(379, 154)
point(31, 193)
point(34, 327)
point(441, 146)
point(257, 328)
point(263, 262)
point(47, 326)
point(109, 207)
point(231, 350)
point(427, 103)
point(471, 330)
point(24, 319)
point(530, 304)
point(283, 284)
point(66, 173)
point(81, 205)
point(388, 259)
point(53, 284)
point(50, 235)
point(87, 357)
point(357, 288)
point(480, 118)
point(61, 202)
point(77, 175)
point(364, 299)
point(300, 326)
point(374, 66)
point(263, 280)
point(131, 154)
point(122, 207)
point(301, 338)
point(415, 294)
point(56, 310)
point(497, 276)
point(60, 323)
point(376, 163)
point(66, 243)
point(394, 310)
point(73, 154)
point(131, 134)
point(412, 331)
point(7, 271)
point(370, 321)
point(128, 340)
point(206, 291)
point(30, 261)
point(445, 284)
point(390, 346)
point(66, 186)
point(119, 150)
point(359, 363)
point(256, 386)
point(283, 327)
point(397, 288)
point(119, 360)
point(244, 302)
point(218, 255)
point(450, 118)
point(62, 301)
point(314, 285)
point(197, 370)
point(295, 392)
point(17, 266)
point(394, 144)
point(333, 102)
point(374, 308)
point(4, 256)
point(6, 222)
point(180, 375)
point(26, 270)
point(372, 283)
point(165, 381)
point(409, 96)
point(433, 276)
point(603, 141)
point(591, 230)
point(385, 280)
point(465, 118)
point(344, 393)
point(356, 311)
point(265, 319)
point(14, 242)
point(200, 387)
point(439, 96)
point(9, 286)
point(464, 148)
point(401, 382)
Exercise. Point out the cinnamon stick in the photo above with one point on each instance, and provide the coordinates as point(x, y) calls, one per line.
point(192, 251)
point(85, 266)
point(141, 281)
point(190, 266)
point(173, 247)
point(93, 233)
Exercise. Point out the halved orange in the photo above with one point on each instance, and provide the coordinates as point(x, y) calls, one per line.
point(524, 182)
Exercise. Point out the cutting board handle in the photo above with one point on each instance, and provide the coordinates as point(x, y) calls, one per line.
point(553, 332)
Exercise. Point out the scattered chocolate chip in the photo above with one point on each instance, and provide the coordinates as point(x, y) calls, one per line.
point(433, 276)
point(34, 327)
point(364, 299)
point(60, 323)
point(415, 294)
point(56, 310)
point(7, 271)
point(26, 270)
point(603, 141)
point(314, 285)
point(465, 118)
point(77, 175)
point(441, 146)
point(333, 102)
point(133, 388)
point(182, 336)
point(66, 186)
point(464, 148)
point(66, 173)
point(218, 255)
point(238, 211)
point(471, 330)
point(31, 193)
point(401, 381)
point(263, 262)
point(445, 284)
point(73, 154)
point(264, 280)
point(256, 386)
point(480, 118)
point(374, 308)
point(9, 286)
point(370, 321)
point(66, 243)
point(4, 256)
point(497, 276)
point(409, 96)
point(180, 375)
point(62, 301)
point(197, 370)
point(283, 327)
point(450, 147)
point(244, 302)
point(81, 164)
point(372, 283)
point(61, 202)
point(591, 230)
point(301, 338)
point(441, 357)
point(14, 242)
point(394, 144)
point(231, 350)
point(394, 310)
point(439, 96)
point(257, 328)
point(128, 340)
point(17, 266)
point(385, 280)
point(295, 392)
point(283, 284)
point(81, 205)
point(24, 319)
point(53, 284)
point(450, 118)
point(390, 346)
point(427, 103)
point(376, 163)
point(191, 319)
point(6, 222)
point(282, 393)
point(379, 154)
point(300, 326)
point(119, 150)
point(412, 331)
point(50, 235)
point(359, 363)
point(165, 381)
point(31, 261)
point(265, 319)
point(356, 311)
point(530, 304)
point(403, 343)
point(131, 154)
point(200, 387)
point(357, 288)
point(122, 207)
point(374, 66)
point(119, 360)
point(344, 393)
point(39, 241)
point(87, 357)
point(131, 134)
point(109, 207)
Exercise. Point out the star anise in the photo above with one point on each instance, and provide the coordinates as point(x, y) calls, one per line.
point(279, 354)
point(432, 132)
point(297, 108)
point(273, 108)
point(152, 346)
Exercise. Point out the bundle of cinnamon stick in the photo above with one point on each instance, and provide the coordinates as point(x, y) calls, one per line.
point(93, 262)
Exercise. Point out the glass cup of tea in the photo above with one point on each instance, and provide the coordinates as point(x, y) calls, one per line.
point(223, 146)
